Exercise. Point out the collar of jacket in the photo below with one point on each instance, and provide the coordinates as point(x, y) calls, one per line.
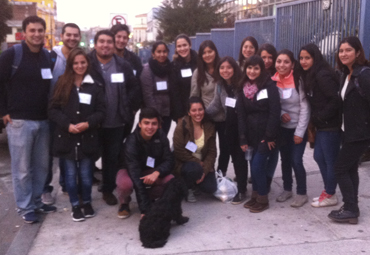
point(190, 128)
point(357, 70)
point(88, 79)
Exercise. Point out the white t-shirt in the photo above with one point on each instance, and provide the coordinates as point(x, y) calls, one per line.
point(342, 94)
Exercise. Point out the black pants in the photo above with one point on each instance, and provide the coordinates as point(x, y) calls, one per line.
point(193, 171)
point(240, 164)
point(223, 159)
point(166, 124)
point(112, 141)
point(346, 172)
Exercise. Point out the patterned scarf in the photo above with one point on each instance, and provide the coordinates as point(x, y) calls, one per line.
point(250, 90)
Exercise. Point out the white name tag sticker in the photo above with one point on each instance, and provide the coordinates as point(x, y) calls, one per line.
point(117, 77)
point(150, 162)
point(161, 85)
point(230, 102)
point(191, 147)
point(262, 94)
point(286, 93)
point(186, 73)
point(46, 73)
point(84, 98)
point(134, 72)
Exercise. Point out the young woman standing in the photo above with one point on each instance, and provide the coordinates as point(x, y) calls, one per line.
point(258, 107)
point(223, 107)
point(355, 95)
point(248, 48)
point(155, 83)
point(77, 107)
point(321, 87)
point(184, 63)
point(268, 53)
point(295, 116)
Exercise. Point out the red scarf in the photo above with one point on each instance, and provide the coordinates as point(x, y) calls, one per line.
point(250, 90)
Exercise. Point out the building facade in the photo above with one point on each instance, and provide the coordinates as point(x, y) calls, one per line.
point(46, 9)
point(140, 29)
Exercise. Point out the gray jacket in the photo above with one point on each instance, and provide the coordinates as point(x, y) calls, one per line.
point(298, 108)
point(206, 92)
point(160, 100)
point(217, 108)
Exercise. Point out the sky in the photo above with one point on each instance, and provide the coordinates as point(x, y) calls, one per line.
point(91, 13)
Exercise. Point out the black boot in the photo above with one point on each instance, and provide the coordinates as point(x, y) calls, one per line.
point(344, 216)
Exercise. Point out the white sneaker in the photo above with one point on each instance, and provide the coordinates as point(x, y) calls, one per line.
point(323, 193)
point(327, 200)
point(191, 198)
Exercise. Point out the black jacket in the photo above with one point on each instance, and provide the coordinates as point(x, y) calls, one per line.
point(25, 95)
point(86, 144)
point(130, 93)
point(325, 102)
point(137, 151)
point(135, 62)
point(181, 86)
point(356, 106)
point(259, 120)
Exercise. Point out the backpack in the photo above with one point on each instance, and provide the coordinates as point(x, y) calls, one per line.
point(18, 54)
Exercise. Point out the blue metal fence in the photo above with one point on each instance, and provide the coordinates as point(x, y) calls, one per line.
point(224, 41)
point(192, 39)
point(303, 22)
point(296, 24)
point(263, 29)
point(200, 37)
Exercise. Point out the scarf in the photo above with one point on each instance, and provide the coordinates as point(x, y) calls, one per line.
point(160, 70)
point(250, 90)
point(286, 83)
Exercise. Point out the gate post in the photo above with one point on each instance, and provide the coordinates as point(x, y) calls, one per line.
point(364, 34)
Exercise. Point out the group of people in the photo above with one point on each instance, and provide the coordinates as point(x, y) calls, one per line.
point(80, 107)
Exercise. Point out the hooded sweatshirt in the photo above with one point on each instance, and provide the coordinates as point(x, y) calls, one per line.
point(59, 67)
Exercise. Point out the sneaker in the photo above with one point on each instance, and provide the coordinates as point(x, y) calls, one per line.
point(344, 216)
point(325, 200)
point(124, 211)
point(317, 198)
point(88, 210)
point(239, 198)
point(47, 199)
point(77, 214)
point(284, 196)
point(299, 200)
point(109, 198)
point(30, 218)
point(191, 198)
point(46, 209)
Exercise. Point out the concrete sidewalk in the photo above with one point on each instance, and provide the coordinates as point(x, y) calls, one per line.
point(215, 227)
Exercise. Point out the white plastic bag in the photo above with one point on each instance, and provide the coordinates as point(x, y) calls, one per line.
point(226, 188)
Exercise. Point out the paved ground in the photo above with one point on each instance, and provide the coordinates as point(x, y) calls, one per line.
point(214, 227)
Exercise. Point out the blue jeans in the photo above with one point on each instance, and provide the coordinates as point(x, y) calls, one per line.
point(81, 168)
point(327, 145)
point(261, 168)
point(29, 151)
point(292, 157)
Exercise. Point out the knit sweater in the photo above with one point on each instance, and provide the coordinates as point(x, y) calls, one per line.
point(206, 92)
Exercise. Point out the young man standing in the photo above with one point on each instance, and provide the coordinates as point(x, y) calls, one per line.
point(121, 35)
point(121, 91)
point(71, 37)
point(24, 87)
point(148, 164)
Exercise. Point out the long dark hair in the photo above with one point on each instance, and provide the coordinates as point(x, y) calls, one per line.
point(235, 79)
point(296, 69)
point(264, 76)
point(202, 66)
point(253, 42)
point(355, 43)
point(319, 64)
point(270, 50)
point(65, 82)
